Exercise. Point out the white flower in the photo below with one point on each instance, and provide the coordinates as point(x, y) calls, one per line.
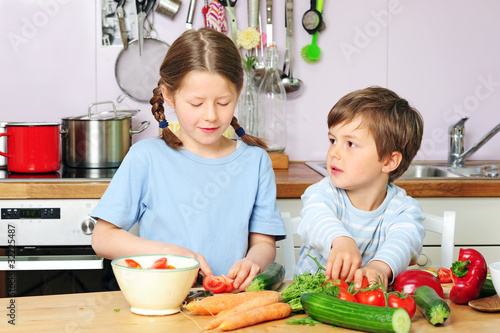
point(248, 38)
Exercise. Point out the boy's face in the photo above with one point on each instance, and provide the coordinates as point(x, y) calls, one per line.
point(352, 160)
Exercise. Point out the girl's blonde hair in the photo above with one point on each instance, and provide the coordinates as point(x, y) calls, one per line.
point(205, 50)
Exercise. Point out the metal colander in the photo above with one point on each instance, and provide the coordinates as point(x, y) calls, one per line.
point(137, 75)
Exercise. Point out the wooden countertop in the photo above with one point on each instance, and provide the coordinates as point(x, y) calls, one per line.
point(109, 312)
point(291, 183)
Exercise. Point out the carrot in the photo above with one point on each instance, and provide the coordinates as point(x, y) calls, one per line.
point(262, 300)
point(255, 316)
point(215, 304)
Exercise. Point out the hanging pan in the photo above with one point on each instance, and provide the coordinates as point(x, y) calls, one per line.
point(138, 74)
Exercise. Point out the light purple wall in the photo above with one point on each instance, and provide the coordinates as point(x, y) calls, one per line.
point(443, 56)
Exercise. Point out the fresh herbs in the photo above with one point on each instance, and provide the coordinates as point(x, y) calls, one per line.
point(308, 283)
point(303, 321)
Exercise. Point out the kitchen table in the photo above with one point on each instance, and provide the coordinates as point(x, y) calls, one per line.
point(110, 312)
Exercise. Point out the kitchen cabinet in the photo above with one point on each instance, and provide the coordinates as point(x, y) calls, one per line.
point(476, 201)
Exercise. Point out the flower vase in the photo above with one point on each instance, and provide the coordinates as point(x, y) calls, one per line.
point(247, 105)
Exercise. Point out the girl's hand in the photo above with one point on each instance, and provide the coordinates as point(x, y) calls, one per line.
point(243, 272)
point(184, 251)
point(344, 259)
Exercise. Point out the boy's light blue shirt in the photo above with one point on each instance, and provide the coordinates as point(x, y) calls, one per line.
point(207, 205)
point(392, 233)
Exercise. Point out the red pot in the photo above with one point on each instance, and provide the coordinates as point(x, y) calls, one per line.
point(32, 147)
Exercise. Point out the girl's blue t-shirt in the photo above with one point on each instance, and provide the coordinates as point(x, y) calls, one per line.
point(207, 205)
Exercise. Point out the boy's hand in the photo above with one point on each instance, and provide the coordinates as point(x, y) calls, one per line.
point(344, 259)
point(373, 271)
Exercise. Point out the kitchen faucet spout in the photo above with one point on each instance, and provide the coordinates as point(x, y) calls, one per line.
point(457, 155)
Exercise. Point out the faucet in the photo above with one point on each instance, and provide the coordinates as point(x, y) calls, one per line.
point(457, 156)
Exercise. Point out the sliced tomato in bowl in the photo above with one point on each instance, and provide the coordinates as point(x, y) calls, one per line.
point(132, 263)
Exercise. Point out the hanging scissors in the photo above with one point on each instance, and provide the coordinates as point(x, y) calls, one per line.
point(229, 5)
point(143, 9)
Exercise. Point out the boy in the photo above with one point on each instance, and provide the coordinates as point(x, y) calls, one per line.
point(356, 222)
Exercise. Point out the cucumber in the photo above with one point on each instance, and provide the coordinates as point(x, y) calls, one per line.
point(270, 279)
point(334, 311)
point(487, 289)
point(432, 307)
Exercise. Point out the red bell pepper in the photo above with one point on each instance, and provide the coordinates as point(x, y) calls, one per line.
point(469, 274)
point(410, 279)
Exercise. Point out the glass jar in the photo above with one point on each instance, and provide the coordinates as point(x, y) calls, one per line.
point(247, 105)
point(272, 104)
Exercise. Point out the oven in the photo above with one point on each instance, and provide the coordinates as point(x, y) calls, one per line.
point(45, 248)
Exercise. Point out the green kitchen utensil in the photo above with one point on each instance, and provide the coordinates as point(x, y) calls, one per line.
point(311, 53)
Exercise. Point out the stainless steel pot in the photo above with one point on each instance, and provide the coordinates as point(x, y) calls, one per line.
point(98, 140)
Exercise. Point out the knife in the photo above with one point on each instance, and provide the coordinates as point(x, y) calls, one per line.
point(189, 21)
point(253, 13)
point(140, 23)
point(269, 21)
point(121, 23)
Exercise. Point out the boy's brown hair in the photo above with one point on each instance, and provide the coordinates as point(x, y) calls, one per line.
point(394, 124)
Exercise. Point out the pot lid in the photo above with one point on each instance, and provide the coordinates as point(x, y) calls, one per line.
point(30, 124)
point(105, 115)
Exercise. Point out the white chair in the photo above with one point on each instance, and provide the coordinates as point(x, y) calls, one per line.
point(287, 244)
point(444, 225)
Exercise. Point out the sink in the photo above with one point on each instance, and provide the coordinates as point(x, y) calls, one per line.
point(427, 171)
point(419, 171)
point(414, 171)
point(485, 171)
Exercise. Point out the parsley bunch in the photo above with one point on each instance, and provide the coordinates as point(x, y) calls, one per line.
point(308, 283)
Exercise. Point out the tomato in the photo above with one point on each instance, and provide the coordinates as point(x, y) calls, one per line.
point(132, 263)
point(215, 284)
point(337, 282)
point(229, 284)
point(346, 295)
point(218, 284)
point(170, 267)
point(371, 297)
point(444, 275)
point(364, 284)
point(404, 301)
point(159, 264)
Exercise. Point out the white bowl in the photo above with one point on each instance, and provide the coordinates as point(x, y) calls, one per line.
point(155, 292)
point(495, 275)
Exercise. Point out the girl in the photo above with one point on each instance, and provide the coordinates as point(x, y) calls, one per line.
point(195, 192)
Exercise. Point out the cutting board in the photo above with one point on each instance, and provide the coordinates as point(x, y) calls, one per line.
point(487, 304)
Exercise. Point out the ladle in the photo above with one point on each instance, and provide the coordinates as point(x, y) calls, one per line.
point(293, 86)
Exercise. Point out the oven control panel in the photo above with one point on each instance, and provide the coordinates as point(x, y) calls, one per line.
point(30, 213)
point(47, 222)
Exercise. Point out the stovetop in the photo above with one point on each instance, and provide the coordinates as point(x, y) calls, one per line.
point(63, 174)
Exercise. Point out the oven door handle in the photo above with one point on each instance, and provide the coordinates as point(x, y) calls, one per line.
point(38, 263)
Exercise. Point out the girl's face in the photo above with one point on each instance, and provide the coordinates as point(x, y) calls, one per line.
point(204, 105)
